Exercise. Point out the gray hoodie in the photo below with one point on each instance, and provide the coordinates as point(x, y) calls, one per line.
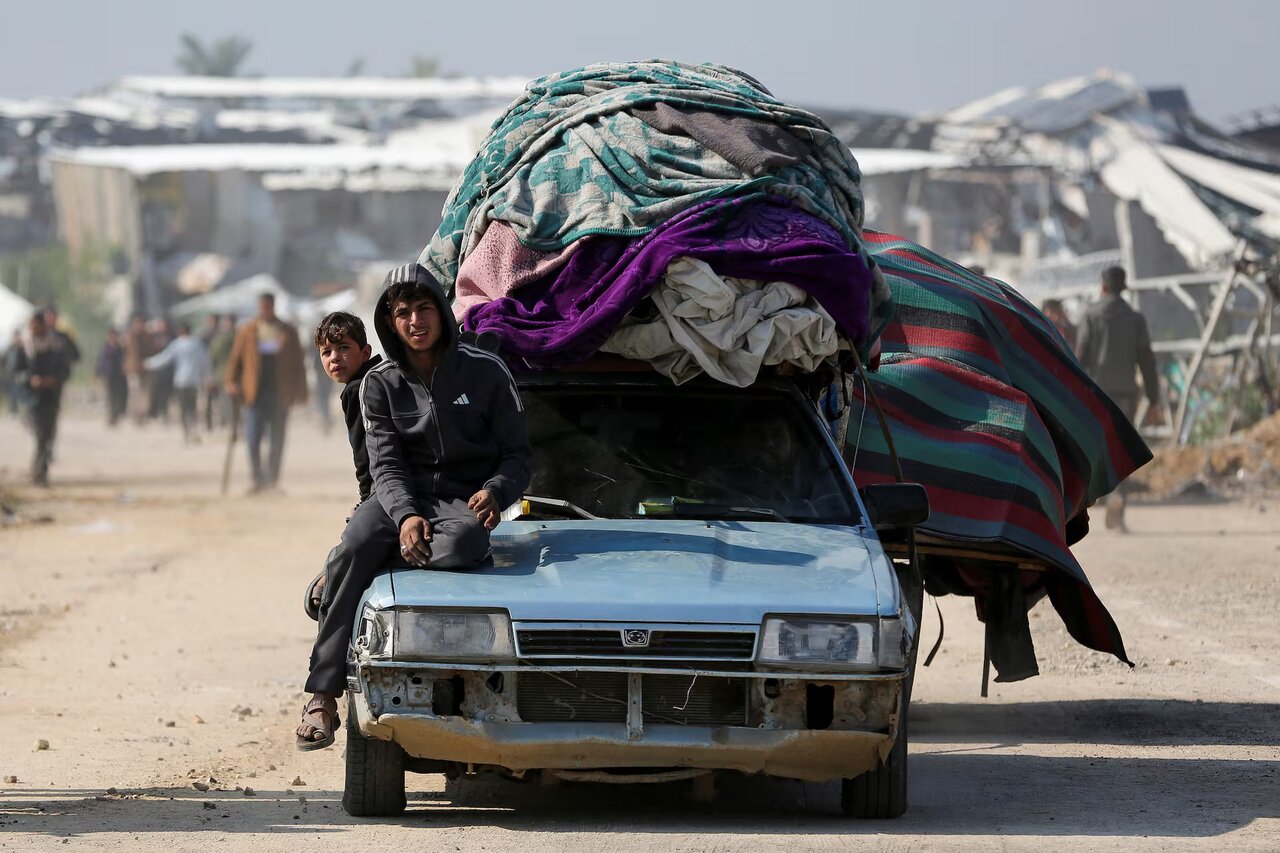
point(446, 437)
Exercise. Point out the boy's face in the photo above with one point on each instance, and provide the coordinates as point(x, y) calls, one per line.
point(343, 359)
point(417, 323)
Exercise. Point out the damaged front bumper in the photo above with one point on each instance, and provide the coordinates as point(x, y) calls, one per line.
point(810, 726)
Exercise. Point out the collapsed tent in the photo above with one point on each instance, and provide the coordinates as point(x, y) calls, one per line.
point(682, 216)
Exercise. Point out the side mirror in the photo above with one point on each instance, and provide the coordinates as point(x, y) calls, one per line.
point(893, 506)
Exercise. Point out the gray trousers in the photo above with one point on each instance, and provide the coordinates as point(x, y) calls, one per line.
point(371, 545)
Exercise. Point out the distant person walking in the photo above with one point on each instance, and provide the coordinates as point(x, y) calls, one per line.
point(160, 384)
point(42, 364)
point(220, 335)
point(267, 375)
point(115, 383)
point(1115, 346)
point(185, 355)
point(13, 384)
point(1052, 308)
point(137, 347)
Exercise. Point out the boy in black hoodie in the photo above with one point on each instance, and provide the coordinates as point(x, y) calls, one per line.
point(448, 450)
point(346, 357)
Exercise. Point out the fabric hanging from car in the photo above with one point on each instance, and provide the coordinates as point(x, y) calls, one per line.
point(990, 410)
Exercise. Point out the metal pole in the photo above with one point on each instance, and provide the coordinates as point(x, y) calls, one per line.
point(1219, 303)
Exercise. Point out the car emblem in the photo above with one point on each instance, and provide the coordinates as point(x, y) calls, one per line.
point(635, 638)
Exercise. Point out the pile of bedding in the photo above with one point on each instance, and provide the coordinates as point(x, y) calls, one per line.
point(674, 213)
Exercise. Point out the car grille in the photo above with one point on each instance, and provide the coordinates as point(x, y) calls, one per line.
point(608, 643)
point(601, 697)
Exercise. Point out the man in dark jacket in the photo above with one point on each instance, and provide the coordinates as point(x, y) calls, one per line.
point(41, 365)
point(1114, 346)
point(111, 371)
point(448, 450)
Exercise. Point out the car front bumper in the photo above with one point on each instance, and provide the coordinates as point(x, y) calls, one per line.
point(859, 737)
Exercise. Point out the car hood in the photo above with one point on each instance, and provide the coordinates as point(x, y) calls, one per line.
point(729, 572)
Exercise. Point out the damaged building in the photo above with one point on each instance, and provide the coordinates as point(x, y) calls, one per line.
point(192, 183)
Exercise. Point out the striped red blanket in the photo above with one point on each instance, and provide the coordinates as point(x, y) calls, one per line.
point(990, 410)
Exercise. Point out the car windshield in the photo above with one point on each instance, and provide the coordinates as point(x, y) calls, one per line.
point(637, 452)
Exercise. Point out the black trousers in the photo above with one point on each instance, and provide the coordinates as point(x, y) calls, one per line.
point(187, 399)
point(371, 545)
point(117, 398)
point(45, 408)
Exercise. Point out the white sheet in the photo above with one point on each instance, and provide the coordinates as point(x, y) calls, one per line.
point(729, 328)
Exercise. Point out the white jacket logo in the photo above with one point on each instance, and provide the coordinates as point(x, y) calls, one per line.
point(462, 401)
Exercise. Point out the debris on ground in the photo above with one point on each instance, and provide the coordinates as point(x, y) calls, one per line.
point(40, 745)
point(1250, 458)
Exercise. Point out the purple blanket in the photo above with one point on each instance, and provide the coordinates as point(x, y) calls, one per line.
point(566, 317)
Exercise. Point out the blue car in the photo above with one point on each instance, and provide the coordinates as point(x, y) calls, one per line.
point(691, 585)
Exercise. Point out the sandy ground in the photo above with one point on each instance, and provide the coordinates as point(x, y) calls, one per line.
point(152, 634)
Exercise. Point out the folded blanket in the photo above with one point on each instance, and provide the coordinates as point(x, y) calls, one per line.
point(726, 327)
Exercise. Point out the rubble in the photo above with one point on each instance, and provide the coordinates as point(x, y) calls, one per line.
point(1248, 459)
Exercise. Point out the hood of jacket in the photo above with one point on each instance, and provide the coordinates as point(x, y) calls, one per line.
point(391, 343)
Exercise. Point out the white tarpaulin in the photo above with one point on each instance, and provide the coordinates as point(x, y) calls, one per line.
point(14, 313)
point(241, 299)
point(1138, 173)
point(1252, 187)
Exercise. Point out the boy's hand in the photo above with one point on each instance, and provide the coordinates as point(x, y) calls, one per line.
point(415, 533)
point(482, 503)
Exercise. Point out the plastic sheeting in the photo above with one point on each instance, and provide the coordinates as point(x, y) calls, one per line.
point(1138, 173)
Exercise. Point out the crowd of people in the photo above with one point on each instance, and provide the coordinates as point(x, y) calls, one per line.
point(153, 363)
point(224, 373)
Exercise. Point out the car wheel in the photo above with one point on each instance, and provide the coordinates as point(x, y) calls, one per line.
point(375, 774)
point(880, 793)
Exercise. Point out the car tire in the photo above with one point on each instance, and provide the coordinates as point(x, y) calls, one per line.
point(881, 793)
point(375, 774)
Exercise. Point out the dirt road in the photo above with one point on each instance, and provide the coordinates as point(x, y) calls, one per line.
point(152, 635)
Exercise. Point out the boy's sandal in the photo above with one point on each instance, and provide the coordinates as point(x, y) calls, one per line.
point(316, 706)
point(311, 601)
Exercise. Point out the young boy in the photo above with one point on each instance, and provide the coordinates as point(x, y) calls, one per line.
point(442, 471)
point(346, 357)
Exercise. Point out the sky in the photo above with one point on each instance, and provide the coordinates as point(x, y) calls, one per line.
point(891, 55)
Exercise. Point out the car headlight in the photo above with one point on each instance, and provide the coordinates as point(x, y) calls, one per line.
point(453, 635)
point(374, 632)
point(837, 644)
